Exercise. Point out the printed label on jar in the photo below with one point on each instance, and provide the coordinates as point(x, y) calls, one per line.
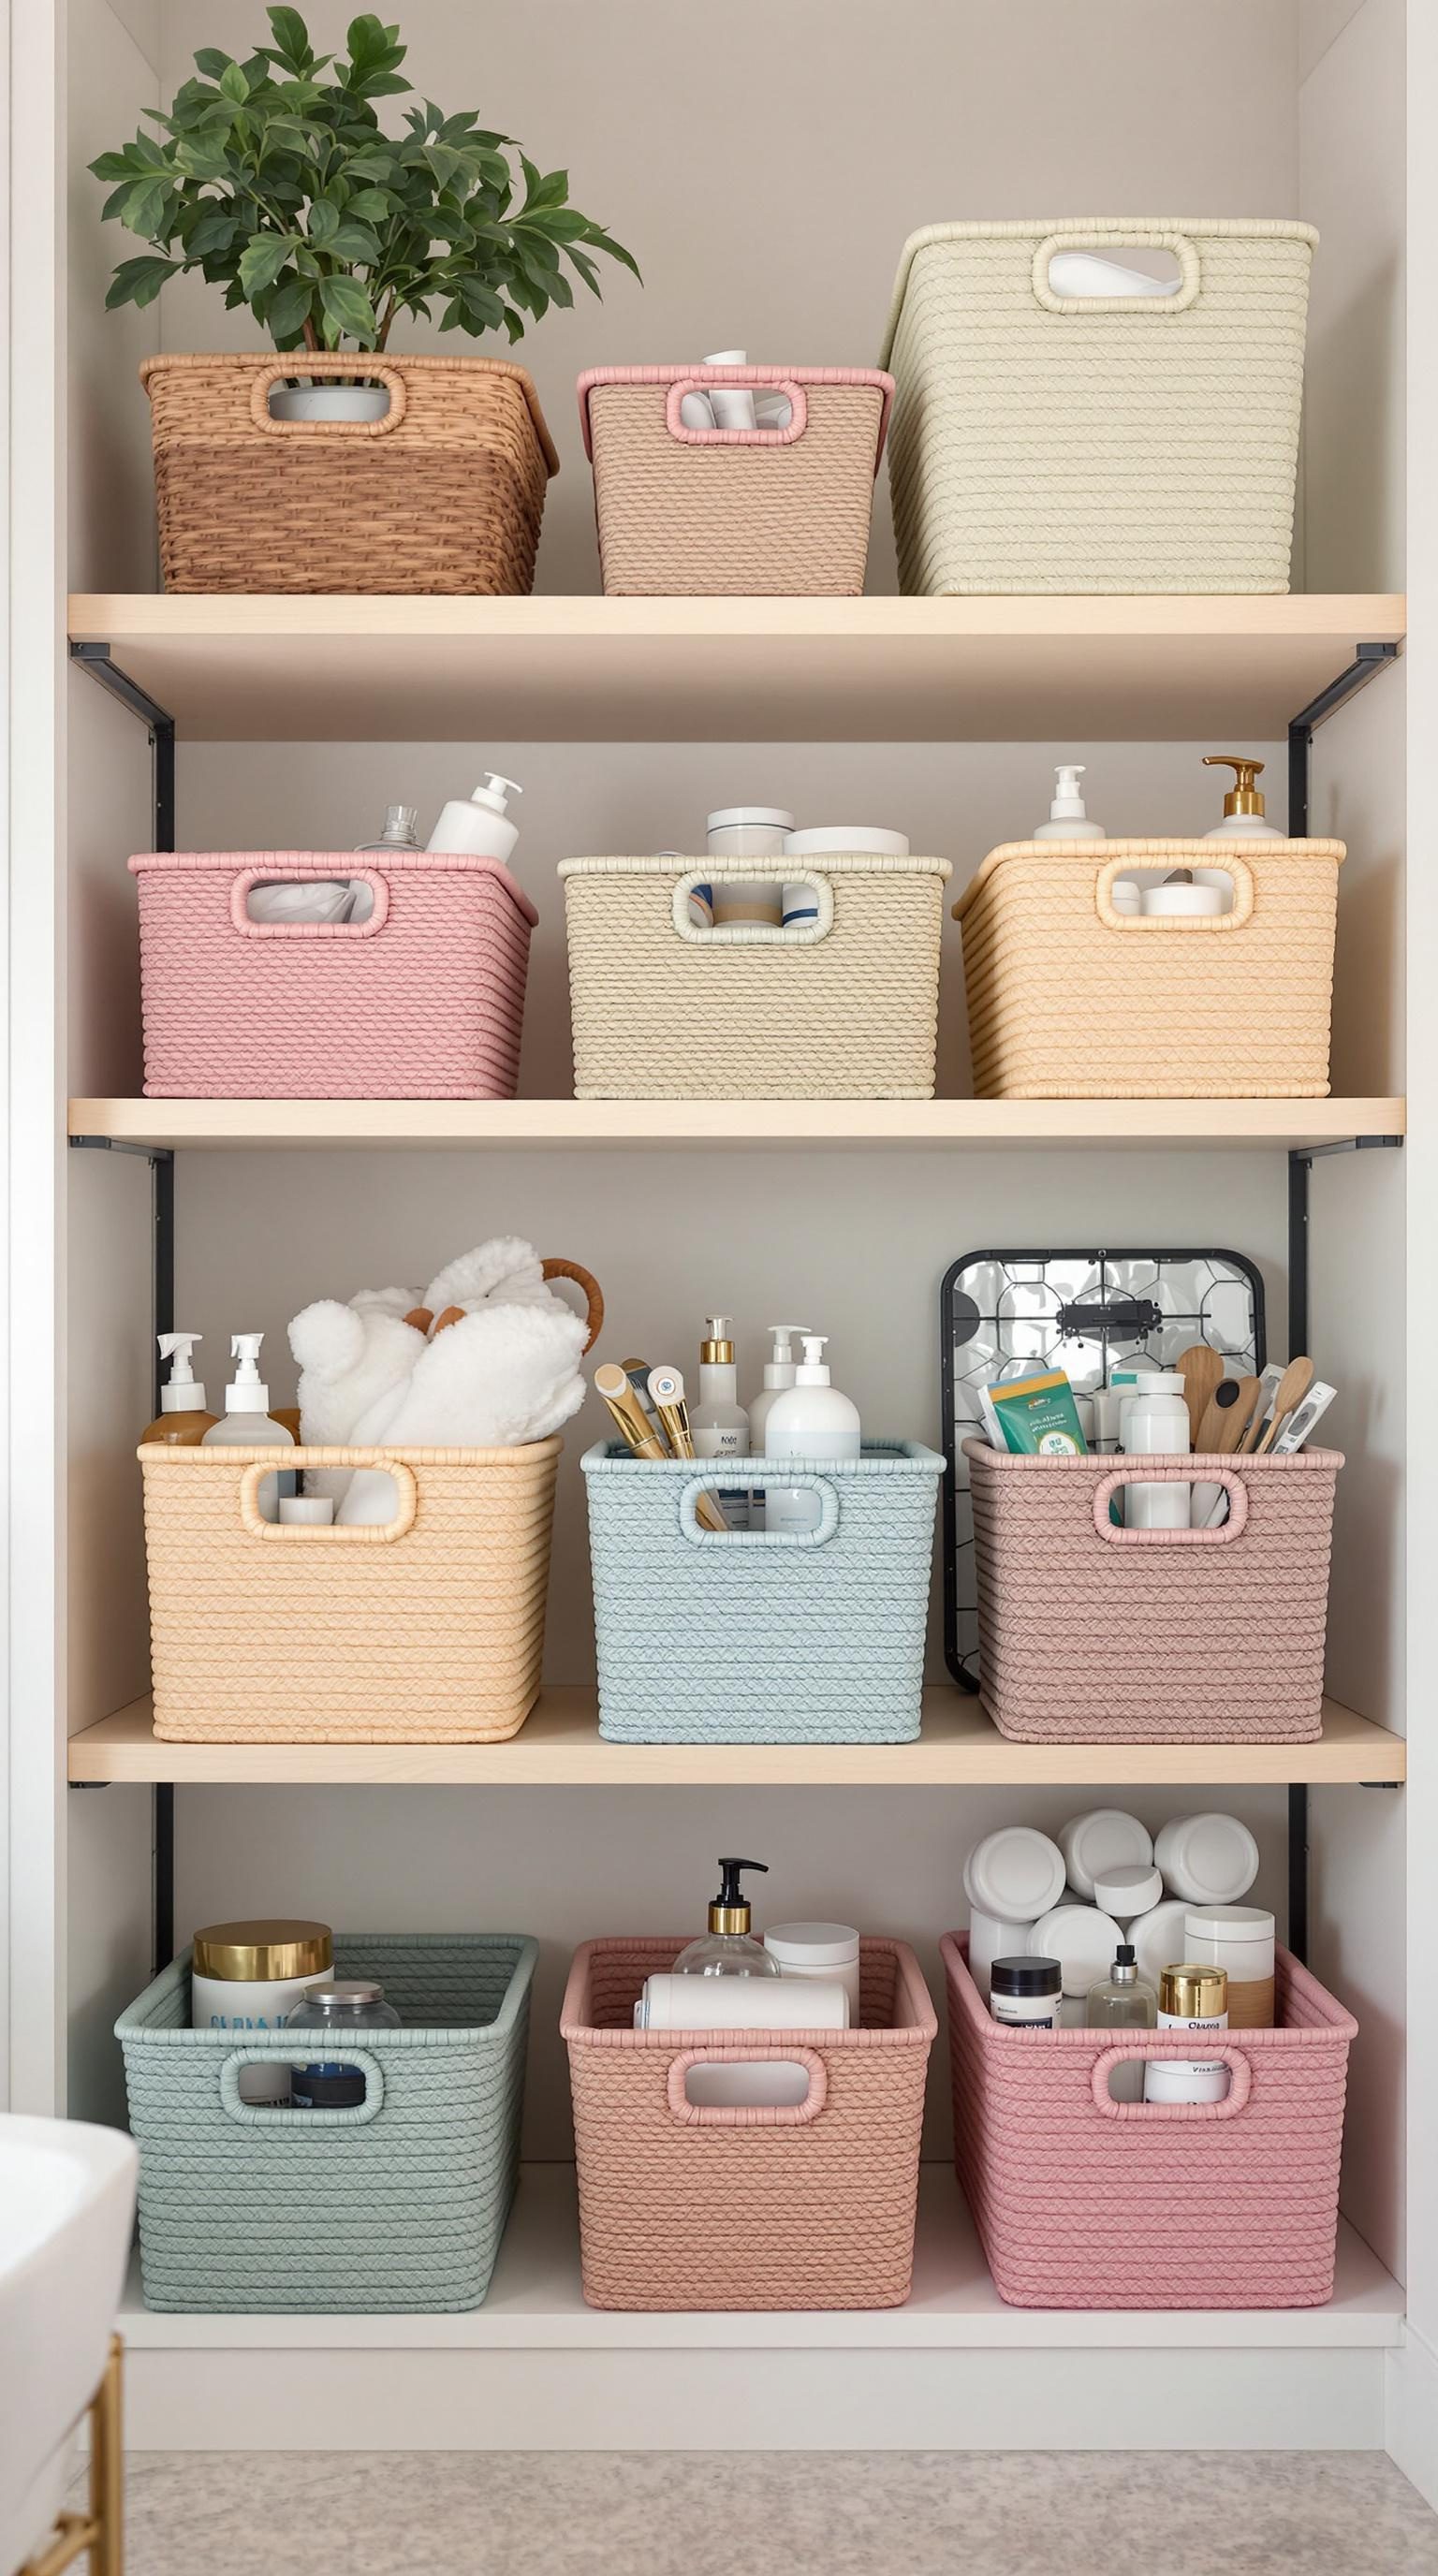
point(1182, 2021)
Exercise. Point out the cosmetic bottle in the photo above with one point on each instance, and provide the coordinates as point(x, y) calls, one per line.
point(1239, 1939)
point(718, 1423)
point(779, 1372)
point(1123, 2000)
point(1186, 2079)
point(477, 826)
point(826, 1953)
point(246, 1977)
point(1243, 814)
point(1191, 1997)
point(747, 832)
point(728, 1948)
point(182, 1420)
point(812, 1421)
point(350, 2009)
point(1026, 1992)
point(247, 1421)
point(398, 834)
point(1154, 1423)
point(1068, 816)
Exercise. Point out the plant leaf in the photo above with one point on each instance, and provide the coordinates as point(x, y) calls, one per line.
point(354, 242)
point(292, 38)
point(348, 310)
point(234, 85)
point(261, 262)
point(289, 308)
point(138, 281)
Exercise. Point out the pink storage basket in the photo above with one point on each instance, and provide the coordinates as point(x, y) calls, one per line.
point(1090, 1634)
point(423, 1001)
point(759, 2208)
point(759, 512)
point(1084, 2202)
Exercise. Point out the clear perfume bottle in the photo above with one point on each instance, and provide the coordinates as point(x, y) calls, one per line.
point(1123, 2000)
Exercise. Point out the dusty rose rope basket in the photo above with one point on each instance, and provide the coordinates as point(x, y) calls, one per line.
point(1084, 2202)
point(683, 2207)
point(443, 495)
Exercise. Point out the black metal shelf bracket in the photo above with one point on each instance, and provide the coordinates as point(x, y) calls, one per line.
point(1368, 661)
point(160, 724)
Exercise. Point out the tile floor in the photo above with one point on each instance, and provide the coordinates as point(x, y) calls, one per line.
point(884, 2513)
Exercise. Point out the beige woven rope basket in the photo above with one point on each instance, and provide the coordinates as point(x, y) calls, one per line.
point(425, 1631)
point(1071, 1000)
point(845, 1008)
point(1046, 442)
point(442, 495)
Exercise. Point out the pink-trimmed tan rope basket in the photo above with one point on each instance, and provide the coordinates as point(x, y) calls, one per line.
point(759, 512)
point(427, 1629)
point(683, 2207)
point(423, 1001)
point(443, 495)
point(1084, 2202)
point(1090, 1634)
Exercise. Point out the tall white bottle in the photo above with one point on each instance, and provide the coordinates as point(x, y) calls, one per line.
point(718, 1423)
point(246, 1423)
point(478, 826)
point(1068, 815)
point(812, 1421)
point(779, 1373)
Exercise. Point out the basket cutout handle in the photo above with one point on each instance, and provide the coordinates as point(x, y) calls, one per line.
point(746, 2115)
point(794, 427)
point(1197, 2043)
point(1112, 246)
point(304, 362)
point(736, 1475)
point(1147, 924)
point(263, 2115)
point(1153, 1471)
point(555, 1267)
point(752, 934)
point(249, 878)
point(363, 1534)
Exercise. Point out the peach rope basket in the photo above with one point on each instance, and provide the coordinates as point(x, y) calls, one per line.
point(683, 2207)
point(442, 496)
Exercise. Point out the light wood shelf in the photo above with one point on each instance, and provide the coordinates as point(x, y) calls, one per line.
point(752, 1125)
point(535, 2304)
point(1147, 669)
point(561, 1746)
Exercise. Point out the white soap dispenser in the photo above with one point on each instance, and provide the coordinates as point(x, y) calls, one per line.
point(1243, 814)
point(779, 1375)
point(477, 826)
point(248, 1423)
point(1068, 817)
point(812, 1421)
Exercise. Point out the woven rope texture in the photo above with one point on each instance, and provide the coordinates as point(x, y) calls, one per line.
point(695, 521)
point(340, 2211)
point(1152, 1637)
point(444, 496)
point(766, 1015)
point(1069, 1002)
point(746, 2209)
point(750, 1638)
point(423, 1003)
point(262, 1634)
point(1043, 446)
point(1088, 2204)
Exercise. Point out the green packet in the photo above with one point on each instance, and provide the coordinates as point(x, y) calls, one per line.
point(1038, 1417)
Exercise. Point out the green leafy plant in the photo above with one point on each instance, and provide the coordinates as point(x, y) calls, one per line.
point(278, 184)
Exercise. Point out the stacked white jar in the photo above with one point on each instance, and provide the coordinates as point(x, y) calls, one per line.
point(1154, 1423)
point(1238, 1939)
point(747, 832)
point(825, 1953)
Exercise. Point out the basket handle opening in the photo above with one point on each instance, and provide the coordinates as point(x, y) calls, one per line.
point(270, 376)
point(691, 926)
point(403, 1492)
point(687, 2085)
point(262, 2115)
point(1156, 1471)
point(1189, 2044)
point(1078, 272)
point(1149, 925)
point(367, 915)
point(784, 397)
point(735, 1473)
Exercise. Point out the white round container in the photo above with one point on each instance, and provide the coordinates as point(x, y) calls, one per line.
point(1154, 1423)
point(1180, 902)
point(1026, 1992)
point(1132, 1889)
point(328, 402)
point(1106, 1838)
point(1209, 1859)
point(827, 1952)
point(244, 1978)
point(1126, 896)
point(1081, 1939)
point(1016, 1873)
point(307, 1511)
point(1186, 2079)
point(1239, 1939)
point(1158, 1938)
point(748, 832)
point(846, 840)
point(673, 2002)
point(990, 1938)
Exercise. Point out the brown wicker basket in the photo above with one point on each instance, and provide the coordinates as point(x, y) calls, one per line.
point(443, 495)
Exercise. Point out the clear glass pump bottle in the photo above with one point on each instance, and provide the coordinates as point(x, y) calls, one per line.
point(728, 1948)
point(1123, 2000)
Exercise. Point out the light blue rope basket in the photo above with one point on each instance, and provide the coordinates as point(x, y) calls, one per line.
point(762, 1637)
point(396, 2204)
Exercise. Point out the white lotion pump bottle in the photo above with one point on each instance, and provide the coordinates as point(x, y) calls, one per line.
point(779, 1374)
point(812, 1421)
point(1068, 818)
point(247, 1423)
point(478, 826)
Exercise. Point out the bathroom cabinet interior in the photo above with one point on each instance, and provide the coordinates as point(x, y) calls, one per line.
point(296, 721)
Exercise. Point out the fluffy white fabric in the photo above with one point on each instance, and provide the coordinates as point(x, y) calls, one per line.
point(502, 1375)
point(503, 1272)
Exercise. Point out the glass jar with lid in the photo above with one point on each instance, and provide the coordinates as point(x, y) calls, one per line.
point(354, 2008)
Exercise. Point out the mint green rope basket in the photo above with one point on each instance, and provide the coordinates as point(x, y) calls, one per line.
point(397, 2204)
point(762, 1637)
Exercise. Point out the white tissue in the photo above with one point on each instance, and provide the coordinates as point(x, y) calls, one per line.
point(298, 899)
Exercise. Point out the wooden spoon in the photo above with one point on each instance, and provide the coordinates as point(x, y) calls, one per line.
point(1202, 1372)
point(1224, 1425)
point(1293, 1386)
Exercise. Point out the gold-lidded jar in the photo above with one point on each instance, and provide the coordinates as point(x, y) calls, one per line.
point(1193, 1997)
point(255, 1954)
point(244, 1977)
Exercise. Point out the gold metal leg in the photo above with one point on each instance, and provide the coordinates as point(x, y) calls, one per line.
point(102, 2530)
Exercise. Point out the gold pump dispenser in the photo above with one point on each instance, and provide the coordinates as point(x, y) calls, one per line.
point(1243, 797)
